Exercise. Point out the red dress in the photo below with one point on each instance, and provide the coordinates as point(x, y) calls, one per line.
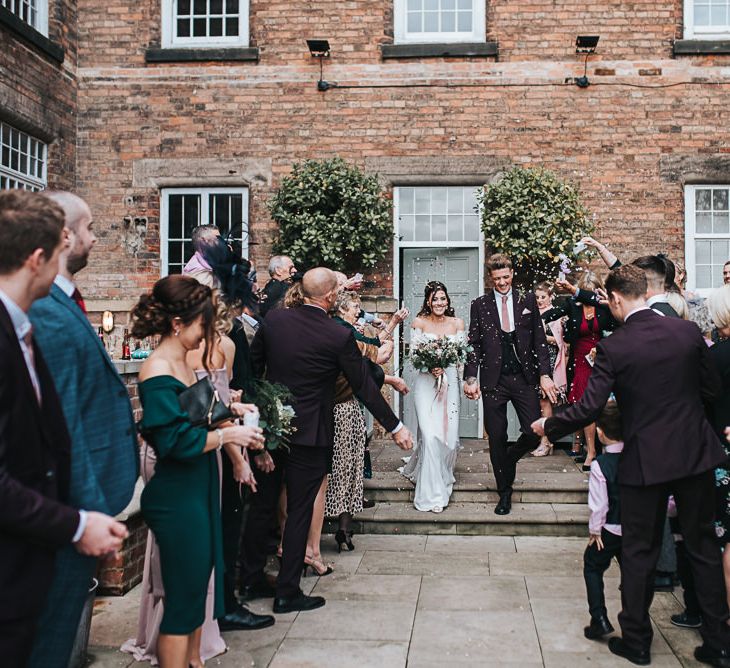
point(588, 337)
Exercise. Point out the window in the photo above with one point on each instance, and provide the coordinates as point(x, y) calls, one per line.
point(707, 235)
point(32, 12)
point(22, 161)
point(421, 21)
point(706, 19)
point(442, 215)
point(196, 23)
point(182, 209)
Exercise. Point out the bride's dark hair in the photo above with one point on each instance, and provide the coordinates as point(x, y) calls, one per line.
point(432, 287)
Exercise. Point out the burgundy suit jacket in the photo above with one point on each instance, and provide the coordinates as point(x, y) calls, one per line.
point(35, 453)
point(484, 337)
point(303, 349)
point(660, 371)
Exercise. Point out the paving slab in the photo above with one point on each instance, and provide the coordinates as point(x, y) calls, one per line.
point(363, 587)
point(463, 545)
point(315, 653)
point(526, 565)
point(423, 563)
point(548, 545)
point(573, 587)
point(491, 594)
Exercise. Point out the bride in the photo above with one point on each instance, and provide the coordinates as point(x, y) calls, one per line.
point(431, 467)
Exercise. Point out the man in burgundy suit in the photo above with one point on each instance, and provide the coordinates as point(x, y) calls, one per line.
point(659, 370)
point(511, 357)
point(35, 449)
point(305, 350)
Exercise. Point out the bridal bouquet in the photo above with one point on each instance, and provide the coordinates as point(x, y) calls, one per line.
point(276, 415)
point(439, 354)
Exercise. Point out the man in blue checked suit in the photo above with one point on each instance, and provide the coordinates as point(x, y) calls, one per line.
point(104, 463)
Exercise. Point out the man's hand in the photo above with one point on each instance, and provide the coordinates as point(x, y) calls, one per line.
point(563, 285)
point(403, 438)
point(264, 463)
point(102, 535)
point(549, 389)
point(595, 538)
point(538, 426)
point(399, 385)
point(602, 296)
point(472, 391)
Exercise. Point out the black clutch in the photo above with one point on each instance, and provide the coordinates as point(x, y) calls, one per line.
point(203, 404)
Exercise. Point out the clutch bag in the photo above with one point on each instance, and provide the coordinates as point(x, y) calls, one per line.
point(203, 404)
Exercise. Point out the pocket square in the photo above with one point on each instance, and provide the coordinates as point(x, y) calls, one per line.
point(526, 311)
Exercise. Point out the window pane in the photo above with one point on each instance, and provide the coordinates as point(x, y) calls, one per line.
point(464, 24)
point(448, 22)
point(216, 27)
point(720, 223)
point(719, 199)
point(718, 16)
point(406, 228)
point(231, 27)
point(438, 200)
point(199, 28)
point(431, 5)
point(423, 200)
point(703, 223)
point(456, 200)
point(703, 252)
point(430, 22)
point(465, 4)
point(447, 5)
point(456, 228)
point(216, 6)
point(175, 252)
point(471, 228)
point(175, 217)
point(719, 252)
point(415, 5)
point(704, 276)
point(405, 200)
point(231, 6)
point(703, 199)
point(183, 7)
point(423, 228)
point(200, 7)
point(438, 228)
point(183, 28)
point(191, 213)
point(414, 22)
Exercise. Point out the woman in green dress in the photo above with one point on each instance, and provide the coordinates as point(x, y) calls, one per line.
point(181, 502)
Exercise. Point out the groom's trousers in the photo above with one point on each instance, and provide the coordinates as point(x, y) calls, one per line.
point(525, 399)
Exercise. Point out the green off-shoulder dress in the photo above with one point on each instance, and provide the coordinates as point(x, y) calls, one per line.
point(181, 505)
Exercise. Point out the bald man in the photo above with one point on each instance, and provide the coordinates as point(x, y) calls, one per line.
point(99, 417)
point(304, 350)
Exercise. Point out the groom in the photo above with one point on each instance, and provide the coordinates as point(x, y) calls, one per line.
point(511, 355)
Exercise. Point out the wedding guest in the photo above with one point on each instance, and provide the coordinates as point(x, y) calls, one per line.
point(558, 351)
point(666, 452)
point(98, 414)
point(36, 520)
point(604, 523)
point(719, 303)
point(181, 503)
point(657, 269)
point(305, 351)
point(586, 324)
point(726, 273)
point(202, 238)
point(281, 271)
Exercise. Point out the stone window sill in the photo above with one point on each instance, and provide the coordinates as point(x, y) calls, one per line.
point(198, 55)
point(31, 35)
point(695, 47)
point(446, 50)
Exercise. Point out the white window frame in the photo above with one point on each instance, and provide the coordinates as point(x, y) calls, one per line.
point(20, 179)
point(169, 40)
point(690, 235)
point(41, 24)
point(693, 32)
point(204, 216)
point(398, 244)
point(402, 36)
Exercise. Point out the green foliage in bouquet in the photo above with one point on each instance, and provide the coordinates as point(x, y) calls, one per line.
point(532, 216)
point(275, 413)
point(331, 214)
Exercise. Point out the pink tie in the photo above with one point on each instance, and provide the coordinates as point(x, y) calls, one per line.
point(28, 339)
point(505, 314)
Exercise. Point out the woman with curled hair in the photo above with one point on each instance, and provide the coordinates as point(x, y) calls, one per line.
point(180, 503)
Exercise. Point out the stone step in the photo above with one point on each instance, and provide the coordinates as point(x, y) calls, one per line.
point(476, 519)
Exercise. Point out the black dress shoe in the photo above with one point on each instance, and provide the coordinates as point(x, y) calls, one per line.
point(664, 582)
point(504, 505)
point(685, 621)
point(715, 657)
point(641, 657)
point(368, 503)
point(597, 629)
point(242, 619)
point(259, 590)
point(299, 602)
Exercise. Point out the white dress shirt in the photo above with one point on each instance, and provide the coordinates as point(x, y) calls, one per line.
point(506, 326)
point(67, 286)
point(636, 310)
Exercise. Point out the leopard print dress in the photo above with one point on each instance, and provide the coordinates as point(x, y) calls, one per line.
point(345, 488)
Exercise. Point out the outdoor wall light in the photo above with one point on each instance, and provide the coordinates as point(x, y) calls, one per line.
point(320, 48)
point(107, 322)
point(585, 44)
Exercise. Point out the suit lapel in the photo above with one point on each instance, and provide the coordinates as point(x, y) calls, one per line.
point(517, 306)
point(492, 309)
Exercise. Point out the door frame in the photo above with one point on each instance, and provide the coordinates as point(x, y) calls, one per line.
point(398, 294)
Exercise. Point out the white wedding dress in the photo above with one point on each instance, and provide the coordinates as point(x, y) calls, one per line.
point(431, 466)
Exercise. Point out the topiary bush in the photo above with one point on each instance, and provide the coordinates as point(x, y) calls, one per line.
point(331, 213)
point(532, 216)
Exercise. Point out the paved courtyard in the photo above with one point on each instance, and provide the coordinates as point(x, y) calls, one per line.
point(427, 601)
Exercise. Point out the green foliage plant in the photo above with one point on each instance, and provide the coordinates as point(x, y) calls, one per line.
point(332, 214)
point(532, 216)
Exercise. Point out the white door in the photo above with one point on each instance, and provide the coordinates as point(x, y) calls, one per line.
point(458, 270)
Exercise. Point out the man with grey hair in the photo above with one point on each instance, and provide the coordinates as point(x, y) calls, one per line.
point(99, 416)
point(281, 270)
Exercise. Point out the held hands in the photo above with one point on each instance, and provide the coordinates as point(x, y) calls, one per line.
point(597, 540)
point(472, 391)
point(548, 388)
point(102, 535)
point(240, 409)
point(246, 436)
point(264, 463)
point(538, 426)
point(403, 438)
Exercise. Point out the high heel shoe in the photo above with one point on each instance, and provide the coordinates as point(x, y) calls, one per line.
point(314, 565)
point(344, 538)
